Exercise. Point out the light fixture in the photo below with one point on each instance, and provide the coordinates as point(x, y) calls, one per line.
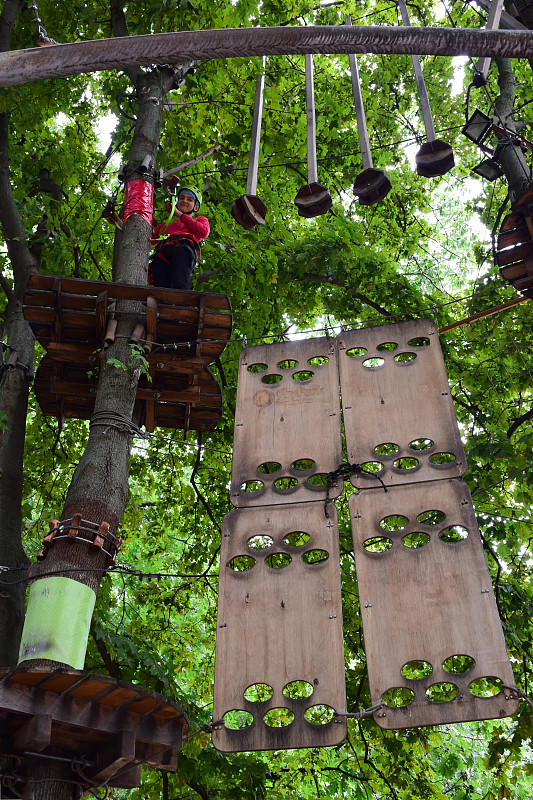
point(488, 169)
point(478, 127)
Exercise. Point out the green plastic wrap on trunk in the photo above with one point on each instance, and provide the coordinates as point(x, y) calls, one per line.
point(57, 621)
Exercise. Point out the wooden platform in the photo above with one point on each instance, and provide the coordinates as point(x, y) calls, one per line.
point(514, 254)
point(180, 333)
point(111, 725)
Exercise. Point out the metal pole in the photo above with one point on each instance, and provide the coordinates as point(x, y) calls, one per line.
point(253, 162)
point(364, 143)
point(493, 23)
point(312, 174)
point(420, 83)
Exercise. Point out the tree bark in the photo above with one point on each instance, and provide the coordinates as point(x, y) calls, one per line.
point(15, 375)
point(177, 48)
point(509, 154)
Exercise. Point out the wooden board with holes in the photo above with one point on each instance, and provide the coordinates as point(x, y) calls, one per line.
point(279, 622)
point(398, 412)
point(433, 638)
point(287, 423)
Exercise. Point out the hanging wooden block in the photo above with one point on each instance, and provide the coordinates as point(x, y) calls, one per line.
point(433, 638)
point(399, 417)
point(279, 664)
point(287, 423)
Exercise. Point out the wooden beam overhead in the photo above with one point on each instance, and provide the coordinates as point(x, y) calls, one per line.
point(75, 58)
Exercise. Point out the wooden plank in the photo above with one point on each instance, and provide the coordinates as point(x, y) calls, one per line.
point(279, 625)
point(101, 316)
point(512, 221)
point(398, 413)
point(123, 291)
point(285, 421)
point(117, 755)
point(35, 734)
point(513, 237)
point(427, 603)
point(155, 757)
point(514, 254)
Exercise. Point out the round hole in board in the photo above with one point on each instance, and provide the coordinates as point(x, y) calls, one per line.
point(319, 714)
point(458, 664)
point(269, 467)
point(372, 466)
point(303, 464)
point(303, 375)
point(419, 341)
point(315, 556)
point(356, 352)
point(285, 484)
point(387, 347)
point(386, 449)
point(394, 522)
point(278, 717)
point(260, 542)
point(416, 540)
point(237, 720)
point(398, 697)
point(405, 358)
point(406, 463)
point(298, 690)
point(272, 378)
point(442, 459)
point(241, 563)
point(416, 670)
point(453, 534)
point(318, 479)
point(251, 486)
point(296, 538)
point(258, 693)
point(488, 686)
point(441, 692)
point(278, 560)
point(377, 544)
point(373, 363)
point(317, 361)
point(431, 517)
point(421, 444)
point(287, 364)
point(257, 367)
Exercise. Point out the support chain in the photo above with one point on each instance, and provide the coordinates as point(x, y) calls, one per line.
point(42, 37)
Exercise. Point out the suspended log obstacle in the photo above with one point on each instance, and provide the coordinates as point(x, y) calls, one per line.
point(434, 644)
point(179, 333)
point(514, 253)
point(108, 728)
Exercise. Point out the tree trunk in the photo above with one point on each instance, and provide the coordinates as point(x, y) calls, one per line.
point(15, 376)
point(508, 153)
point(99, 486)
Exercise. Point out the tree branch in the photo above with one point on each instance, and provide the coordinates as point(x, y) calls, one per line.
point(519, 421)
point(317, 278)
point(193, 161)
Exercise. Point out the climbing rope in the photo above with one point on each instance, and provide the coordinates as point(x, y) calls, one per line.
point(344, 471)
